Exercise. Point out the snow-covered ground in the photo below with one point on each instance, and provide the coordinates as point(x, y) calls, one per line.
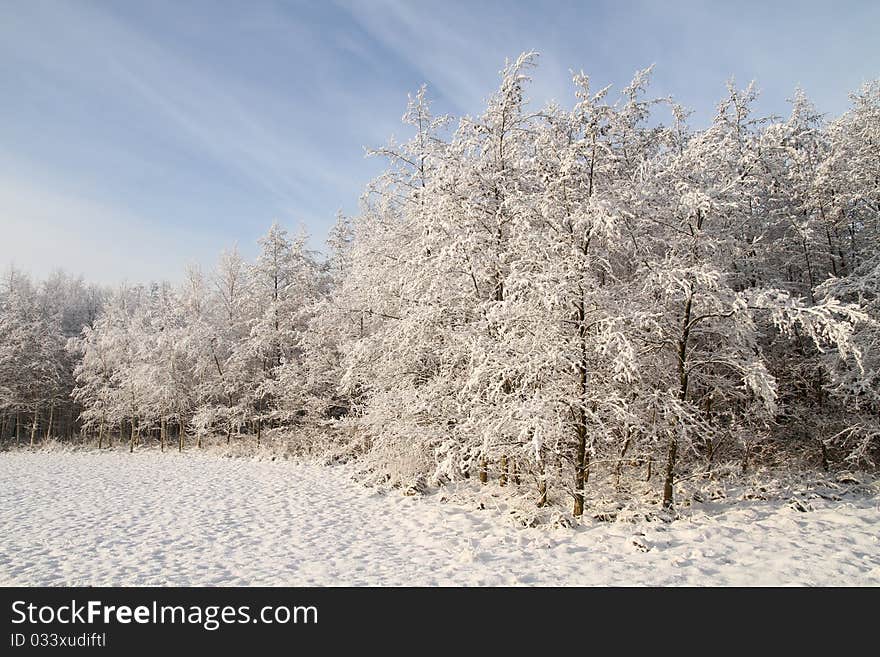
point(84, 518)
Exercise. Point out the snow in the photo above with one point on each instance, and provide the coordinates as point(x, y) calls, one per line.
point(81, 518)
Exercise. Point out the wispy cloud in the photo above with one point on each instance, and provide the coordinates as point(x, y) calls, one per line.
point(206, 120)
point(239, 125)
point(460, 47)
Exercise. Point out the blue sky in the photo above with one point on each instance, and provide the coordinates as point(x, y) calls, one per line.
point(137, 137)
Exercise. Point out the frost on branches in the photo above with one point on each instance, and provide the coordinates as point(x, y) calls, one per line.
point(574, 303)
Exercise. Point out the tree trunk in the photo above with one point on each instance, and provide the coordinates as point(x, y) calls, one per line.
point(34, 425)
point(580, 467)
point(484, 470)
point(502, 480)
point(162, 434)
point(710, 456)
point(48, 434)
point(619, 465)
point(672, 449)
point(180, 436)
point(132, 436)
point(18, 429)
point(542, 487)
point(101, 433)
point(811, 279)
point(670, 469)
point(260, 409)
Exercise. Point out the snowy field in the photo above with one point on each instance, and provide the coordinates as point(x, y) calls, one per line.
point(164, 519)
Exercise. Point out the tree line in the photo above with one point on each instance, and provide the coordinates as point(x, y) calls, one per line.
point(529, 296)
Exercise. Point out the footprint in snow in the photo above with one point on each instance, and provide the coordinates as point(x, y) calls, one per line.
point(640, 544)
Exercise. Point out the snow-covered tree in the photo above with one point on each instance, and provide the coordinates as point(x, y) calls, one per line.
point(536, 296)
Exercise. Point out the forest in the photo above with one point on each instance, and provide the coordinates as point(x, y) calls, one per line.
point(558, 301)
